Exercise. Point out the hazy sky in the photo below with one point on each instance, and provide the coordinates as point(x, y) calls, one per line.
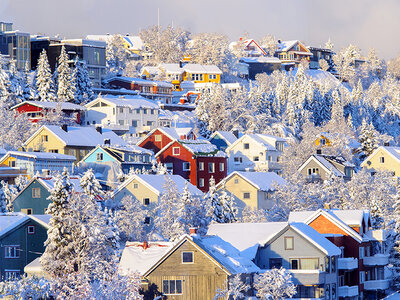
point(366, 23)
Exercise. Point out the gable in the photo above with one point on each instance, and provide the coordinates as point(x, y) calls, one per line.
point(324, 225)
point(25, 199)
point(93, 156)
point(35, 140)
point(151, 143)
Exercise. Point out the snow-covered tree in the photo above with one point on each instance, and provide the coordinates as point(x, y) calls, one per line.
point(91, 186)
point(276, 283)
point(83, 83)
point(116, 55)
point(44, 80)
point(367, 138)
point(221, 206)
point(269, 44)
point(27, 287)
point(65, 82)
point(250, 215)
point(236, 289)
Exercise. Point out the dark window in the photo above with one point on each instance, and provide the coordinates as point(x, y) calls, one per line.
point(147, 220)
point(31, 229)
point(187, 257)
point(294, 264)
point(146, 201)
point(246, 146)
point(275, 263)
point(171, 287)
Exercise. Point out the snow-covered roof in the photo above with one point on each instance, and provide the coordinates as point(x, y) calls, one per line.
point(319, 76)
point(246, 237)
point(227, 255)
point(49, 182)
point(132, 101)
point(157, 183)
point(51, 105)
point(42, 219)
point(352, 217)
point(268, 141)
point(81, 136)
point(287, 45)
point(190, 68)
point(316, 238)
point(9, 221)
point(326, 161)
point(228, 136)
point(263, 181)
point(171, 68)
point(135, 257)
point(141, 81)
point(202, 148)
point(40, 155)
point(261, 59)
point(151, 70)
point(134, 42)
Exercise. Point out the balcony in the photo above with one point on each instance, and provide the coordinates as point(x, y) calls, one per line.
point(306, 277)
point(373, 285)
point(376, 260)
point(348, 291)
point(347, 263)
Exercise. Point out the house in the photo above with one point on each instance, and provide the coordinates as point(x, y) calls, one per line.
point(307, 255)
point(195, 160)
point(319, 167)
point(255, 151)
point(108, 161)
point(251, 189)
point(292, 52)
point(123, 114)
point(160, 137)
point(192, 268)
point(319, 53)
point(384, 158)
point(363, 260)
point(222, 139)
point(262, 64)
point(70, 140)
point(176, 73)
point(37, 110)
point(248, 47)
point(149, 188)
point(32, 199)
point(150, 89)
point(22, 240)
point(323, 140)
point(38, 162)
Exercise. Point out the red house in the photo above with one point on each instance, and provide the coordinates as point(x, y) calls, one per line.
point(160, 137)
point(196, 160)
point(36, 110)
point(363, 260)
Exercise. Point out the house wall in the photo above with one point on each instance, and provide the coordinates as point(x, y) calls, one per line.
point(31, 246)
point(313, 164)
point(219, 142)
point(25, 200)
point(151, 144)
point(53, 143)
point(390, 164)
point(92, 158)
point(200, 279)
point(140, 193)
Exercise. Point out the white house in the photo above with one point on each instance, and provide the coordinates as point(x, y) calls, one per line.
point(123, 114)
point(255, 152)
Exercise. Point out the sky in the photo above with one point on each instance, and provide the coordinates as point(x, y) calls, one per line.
point(365, 23)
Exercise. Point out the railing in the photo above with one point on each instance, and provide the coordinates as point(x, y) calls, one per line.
point(348, 291)
point(376, 260)
point(347, 263)
point(374, 285)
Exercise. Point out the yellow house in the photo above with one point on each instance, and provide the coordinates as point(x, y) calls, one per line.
point(385, 158)
point(176, 73)
point(70, 140)
point(292, 52)
point(148, 188)
point(251, 189)
point(322, 140)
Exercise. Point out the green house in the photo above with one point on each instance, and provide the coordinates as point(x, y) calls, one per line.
point(22, 240)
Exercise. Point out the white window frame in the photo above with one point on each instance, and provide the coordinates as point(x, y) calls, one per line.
point(136, 185)
point(99, 156)
point(36, 193)
point(17, 251)
point(186, 166)
point(191, 262)
point(361, 252)
point(245, 194)
point(158, 138)
point(382, 159)
point(201, 166)
point(221, 167)
point(211, 170)
point(30, 229)
point(8, 271)
point(175, 148)
point(201, 182)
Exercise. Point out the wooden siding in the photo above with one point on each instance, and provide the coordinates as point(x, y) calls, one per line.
point(200, 279)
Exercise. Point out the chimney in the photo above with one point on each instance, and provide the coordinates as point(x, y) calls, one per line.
point(386, 144)
point(241, 39)
point(107, 142)
point(99, 130)
point(145, 245)
point(192, 231)
point(279, 41)
point(64, 127)
point(181, 64)
point(319, 151)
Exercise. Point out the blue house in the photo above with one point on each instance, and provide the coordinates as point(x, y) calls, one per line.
point(22, 240)
point(222, 139)
point(34, 162)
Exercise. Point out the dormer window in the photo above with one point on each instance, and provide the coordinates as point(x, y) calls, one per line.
point(99, 156)
point(382, 159)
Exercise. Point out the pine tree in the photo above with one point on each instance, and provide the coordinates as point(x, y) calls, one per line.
point(394, 241)
point(367, 138)
point(83, 83)
point(66, 83)
point(91, 186)
point(44, 81)
point(275, 283)
point(222, 207)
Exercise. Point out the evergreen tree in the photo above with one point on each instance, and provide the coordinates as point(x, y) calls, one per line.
point(44, 81)
point(91, 186)
point(367, 138)
point(222, 208)
point(83, 83)
point(65, 81)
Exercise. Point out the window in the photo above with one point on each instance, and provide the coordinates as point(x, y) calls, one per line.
point(138, 110)
point(212, 76)
point(333, 290)
point(157, 138)
point(121, 110)
point(186, 166)
point(246, 146)
point(327, 292)
point(201, 182)
point(211, 167)
point(172, 287)
point(53, 150)
point(294, 264)
point(304, 263)
point(327, 264)
point(145, 111)
point(289, 243)
point(31, 229)
point(236, 181)
point(11, 251)
point(275, 263)
point(201, 166)
point(149, 123)
point(333, 263)
point(322, 141)
point(147, 220)
point(152, 111)
point(361, 252)
point(221, 167)
point(256, 158)
point(237, 160)
point(121, 122)
point(146, 201)
point(362, 277)
point(176, 151)
point(382, 160)
point(36, 193)
point(27, 211)
point(312, 171)
point(134, 123)
point(187, 257)
point(11, 163)
point(11, 274)
point(135, 185)
point(99, 156)
point(170, 166)
point(197, 77)
point(45, 138)
point(246, 195)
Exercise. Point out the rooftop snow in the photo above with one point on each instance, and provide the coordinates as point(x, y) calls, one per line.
point(286, 45)
point(202, 148)
point(264, 181)
point(229, 137)
point(51, 105)
point(9, 221)
point(141, 81)
point(49, 182)
point(134, 42)
point(134, 101)
point(42, 155)
point(136, 258)
point(261, 59)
